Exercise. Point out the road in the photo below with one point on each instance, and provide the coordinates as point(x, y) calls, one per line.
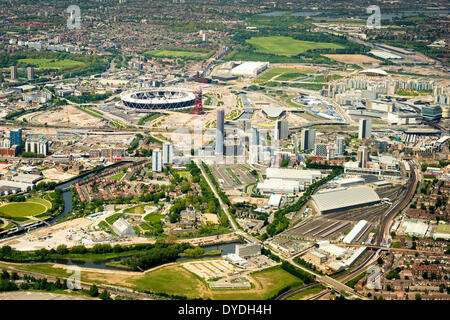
point(213, 188)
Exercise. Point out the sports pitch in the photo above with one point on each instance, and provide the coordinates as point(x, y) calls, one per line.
point(287, 46)
point(22, 209)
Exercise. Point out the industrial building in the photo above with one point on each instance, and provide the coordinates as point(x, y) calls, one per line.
point(341, 199)
point(13, 186)
point(341, 183)
point(279, 186)
point(300, 176)
point(274, 200)
point(248, 250)
point(356, 231)
point(314, 257)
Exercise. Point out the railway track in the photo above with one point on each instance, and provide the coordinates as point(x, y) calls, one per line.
point(291, 292)
point(400, 205)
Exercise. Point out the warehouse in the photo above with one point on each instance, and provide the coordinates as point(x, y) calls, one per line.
point(274, 200)
point(349, 182)
point(279, 186)
point(357, 229)
point(341, 199)
point(13, 186)
point(301, 176)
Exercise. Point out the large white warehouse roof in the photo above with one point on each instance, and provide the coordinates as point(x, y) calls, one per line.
point(293, 174)
point(344, 198)
point(355, 231)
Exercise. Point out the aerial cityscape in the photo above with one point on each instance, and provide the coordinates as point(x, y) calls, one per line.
point(224, 150)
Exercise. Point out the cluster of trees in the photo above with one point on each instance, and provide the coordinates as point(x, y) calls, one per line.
point(280, 221)
point(13, 198)
point(32, 155)
point(307, 265)
point(135, 143)
point(161, 253)
point(44, 186)
point(90, 98)
point(94, 292)
point(303, 275)
point(9, 254)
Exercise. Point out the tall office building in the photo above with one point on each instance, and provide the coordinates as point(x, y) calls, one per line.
point(320, 150)
point(331, 153)
point(432, 113)
point(15, 137)
point(13, 73)
point(296, 143)
point(220, 132)
point(255, 137)
point(340, 145)
point(156, 160)
point(282, 129)
point(30, 73)
point(363, 156)
point(308, 139)
point(365, 129)
point(167, 153)
point(244, 125)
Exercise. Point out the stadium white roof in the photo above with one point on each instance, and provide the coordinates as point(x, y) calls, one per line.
point(342, 198)
point(249, 68)
point(374, 71)
point(273, 112)
point(385, 55)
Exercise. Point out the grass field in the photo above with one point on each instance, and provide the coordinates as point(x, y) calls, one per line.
point(172, 280)
point(282, 74)
point(118, 176)
point(290, 76)
point(176, 280)
point(153, 217)
point(136, 209)
point(443, 228)
point(52, 63)
point(287, 46)
point(175, 54)
point(307, 292)
point(23, 209)
point(113, 218)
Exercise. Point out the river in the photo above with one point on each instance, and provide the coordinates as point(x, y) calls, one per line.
point(102, 264)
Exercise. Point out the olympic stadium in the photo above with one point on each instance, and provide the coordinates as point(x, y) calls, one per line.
point(158, 99)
